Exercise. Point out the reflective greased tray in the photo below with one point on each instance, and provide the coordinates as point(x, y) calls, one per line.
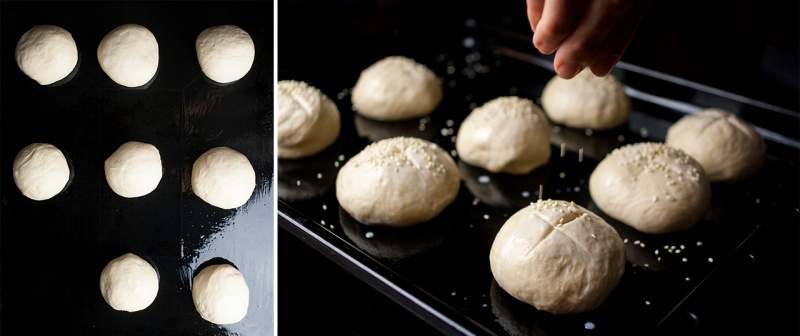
point(440, 271)
point(53, 251)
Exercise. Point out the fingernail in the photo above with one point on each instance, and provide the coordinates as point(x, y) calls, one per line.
point(569, 70)
point(603, 65)
point(544, 47)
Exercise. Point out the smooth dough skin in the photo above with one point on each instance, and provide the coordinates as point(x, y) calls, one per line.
point(398, 181)
point(223, 178)
point(307, 120)
point(129, 283)
point(134, 169)
point(651, 187)
point(586, 101)
point(727, 147)
point(220, 294)
point(41, 171)
point(558, 257)
point(225, 53)
point(47, 54)
point(505, 135)
point(129, 55)
point(396, 88)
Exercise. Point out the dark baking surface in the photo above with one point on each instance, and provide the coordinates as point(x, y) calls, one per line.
point(53, 251)
point(718, 277)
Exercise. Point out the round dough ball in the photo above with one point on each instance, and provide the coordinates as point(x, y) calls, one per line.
point(129, 55)
point(47, 54)
point(41, 171)
point(223, 178)
point(134, 169)
point(727, 147)
point(651, 187)
point(586, 101)
point(558, 257)
point(505, 135)
point(396, 88)
point(225, 53)
point(129, 283)
point(307, 120)
point(398, 181)
point(220, 294)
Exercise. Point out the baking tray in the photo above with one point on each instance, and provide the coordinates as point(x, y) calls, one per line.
point(439, 270)
point(53, 251)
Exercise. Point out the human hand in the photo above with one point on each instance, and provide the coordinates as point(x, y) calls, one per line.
point(593, 33)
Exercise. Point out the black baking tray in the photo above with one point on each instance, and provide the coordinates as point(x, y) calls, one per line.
point(53, 251)
point(439, 270)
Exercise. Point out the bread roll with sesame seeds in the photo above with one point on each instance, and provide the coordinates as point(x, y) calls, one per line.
point(586, 101)
point(558, 257)
point(652, 187)
point(307, 120)
point(398, 181)
point(396, 88)
point(505, 135)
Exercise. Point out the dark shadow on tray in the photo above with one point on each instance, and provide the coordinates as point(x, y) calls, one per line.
point(423, 127)
point(504, 190)
point(309, 177)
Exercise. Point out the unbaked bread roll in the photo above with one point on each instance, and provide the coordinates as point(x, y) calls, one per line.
point(558, 257)
point(129, 55)
point(225, 53)
point(223, 177)
point(651, 187)
point(47, 54)
point(307, 120)
point(129, 283)
point(134, 169)
point(586, 101)
point(505, 135)
point(41, 171)
point(727, 147)
point(396, 88)
point(398, 181)
point(220, 294)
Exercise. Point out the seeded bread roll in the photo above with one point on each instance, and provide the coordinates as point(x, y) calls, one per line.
point(307, 120)
point(651, 187)
point(558, 257)
point(586, 101)
point(727, 147)
point(398, 181)
point(505, 135)
point(396, 88)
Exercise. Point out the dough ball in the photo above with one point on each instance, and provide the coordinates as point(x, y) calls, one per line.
point(307, 120)
point(651, 187)
point(134, 169)
point(505, 135)
point(223, 178)
point(129, 283)
point(225, 53)
point(398, 181)
point(396, 88)
point(47, 54)
point(129, 55)
point(41, 171)
point(220, 294)
point(727, 147)
point(558, 257)
point(586, 101)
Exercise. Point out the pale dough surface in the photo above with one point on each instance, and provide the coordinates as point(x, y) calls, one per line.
point(651, 187)
point(225, 53)
point(558, 257)
point(398, 181)
point(47, 53)
point(396, 88)
point(307, 120)
point(129, 283)
point(505, 135)
point(41, 171)
point(586, 101)
point(223, 177)
point(220, 294)
point(728, 148)
point(134, 169)
point(128, 54)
